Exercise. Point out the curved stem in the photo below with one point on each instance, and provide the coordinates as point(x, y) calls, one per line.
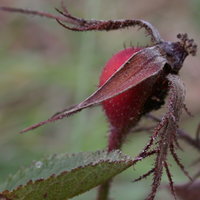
point(79, 24)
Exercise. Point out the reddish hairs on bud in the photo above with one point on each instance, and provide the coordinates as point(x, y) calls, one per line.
point(121, 108)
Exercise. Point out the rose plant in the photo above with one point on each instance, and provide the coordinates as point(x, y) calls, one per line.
point(134, 82)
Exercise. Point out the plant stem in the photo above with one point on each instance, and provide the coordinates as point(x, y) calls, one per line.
point(116, 138)
point(103, 192)
point(115, 141)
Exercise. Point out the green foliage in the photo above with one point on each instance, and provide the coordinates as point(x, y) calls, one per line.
point(64, 176)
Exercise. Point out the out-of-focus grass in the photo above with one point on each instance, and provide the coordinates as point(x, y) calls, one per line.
point(44, 68)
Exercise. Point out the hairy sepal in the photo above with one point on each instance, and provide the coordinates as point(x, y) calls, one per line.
point(142, 66)
point(166, 131)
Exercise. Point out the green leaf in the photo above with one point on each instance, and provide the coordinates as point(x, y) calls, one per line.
point(60, 177)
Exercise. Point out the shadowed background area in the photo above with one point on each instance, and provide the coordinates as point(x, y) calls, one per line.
point(45, 68)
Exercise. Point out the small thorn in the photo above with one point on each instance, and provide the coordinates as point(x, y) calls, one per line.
point(144, 175)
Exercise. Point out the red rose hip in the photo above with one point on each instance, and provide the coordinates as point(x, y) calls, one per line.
point(124, 110)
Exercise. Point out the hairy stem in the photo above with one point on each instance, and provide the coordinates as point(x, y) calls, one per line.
point(71, 22)
point(116, 138)
point(115, 141)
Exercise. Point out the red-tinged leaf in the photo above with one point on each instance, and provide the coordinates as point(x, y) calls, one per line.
point(143, 65)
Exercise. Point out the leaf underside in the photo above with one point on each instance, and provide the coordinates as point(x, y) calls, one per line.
point(64, 176)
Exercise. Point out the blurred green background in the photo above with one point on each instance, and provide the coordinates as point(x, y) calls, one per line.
point(45, 68)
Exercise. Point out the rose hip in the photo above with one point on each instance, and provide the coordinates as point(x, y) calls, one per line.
point(134, 82)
